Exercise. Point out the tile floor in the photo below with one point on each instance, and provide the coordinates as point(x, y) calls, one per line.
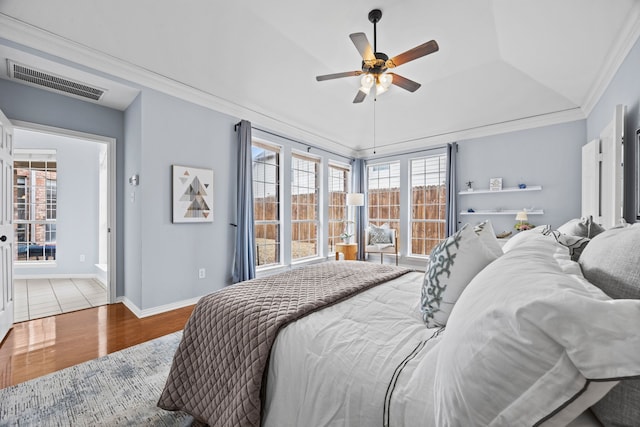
point(36, 298)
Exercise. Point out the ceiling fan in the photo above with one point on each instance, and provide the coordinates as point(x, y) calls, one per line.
point(375, 65)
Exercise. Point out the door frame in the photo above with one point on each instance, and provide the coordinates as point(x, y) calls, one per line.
point(111, 196)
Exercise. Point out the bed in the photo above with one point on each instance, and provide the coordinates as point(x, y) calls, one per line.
point(506, 342)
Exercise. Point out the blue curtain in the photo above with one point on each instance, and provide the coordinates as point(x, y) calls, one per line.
point(357, 175)
point(244, 265)
point(451, 223)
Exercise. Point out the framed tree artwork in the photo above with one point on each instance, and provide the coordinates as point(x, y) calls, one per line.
point(192, 194)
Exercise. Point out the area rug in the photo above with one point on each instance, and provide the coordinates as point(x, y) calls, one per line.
point(119, 389)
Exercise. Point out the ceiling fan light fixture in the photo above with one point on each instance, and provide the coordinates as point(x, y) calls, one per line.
point(367, 81)
point(380, 89)
point(385, 80)
point(375, 64)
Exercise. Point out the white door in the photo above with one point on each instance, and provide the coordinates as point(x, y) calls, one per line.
point(6, 226)
point(612, 186)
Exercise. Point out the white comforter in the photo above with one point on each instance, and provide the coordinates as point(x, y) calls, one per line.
point(367, 361)
point(345, 365)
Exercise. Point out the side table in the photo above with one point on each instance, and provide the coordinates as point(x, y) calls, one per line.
point(350, 251)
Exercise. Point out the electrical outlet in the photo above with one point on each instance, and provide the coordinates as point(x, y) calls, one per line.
point(82, 258)
point(202, 273)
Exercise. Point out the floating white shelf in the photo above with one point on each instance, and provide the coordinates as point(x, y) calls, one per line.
point(503, 212)
point(504, 190)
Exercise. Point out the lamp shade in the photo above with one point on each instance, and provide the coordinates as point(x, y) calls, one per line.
point(355, 199)
point(522, 216)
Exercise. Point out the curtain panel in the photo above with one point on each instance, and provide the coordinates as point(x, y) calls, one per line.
point(451, 220)
point(244, 261)
point(360, 214)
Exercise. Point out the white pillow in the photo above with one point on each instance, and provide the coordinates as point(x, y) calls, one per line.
point(531, 341)
point(487, 235)
point(452, 265)
point(524, 236)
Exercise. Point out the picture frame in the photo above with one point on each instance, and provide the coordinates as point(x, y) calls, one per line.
point(495, 184)
point(192, 194)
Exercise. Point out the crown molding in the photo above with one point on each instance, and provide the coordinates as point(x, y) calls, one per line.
point(425, 142)
point(628, 36)
point(57, 47)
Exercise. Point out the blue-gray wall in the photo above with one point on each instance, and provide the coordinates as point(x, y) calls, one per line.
point(624, 89)
point(78, 203)
point(549, 156)
point(132, 244)
point(24, 103)
point(178, 132)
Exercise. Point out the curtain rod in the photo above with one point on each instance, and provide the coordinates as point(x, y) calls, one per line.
point(309, 146)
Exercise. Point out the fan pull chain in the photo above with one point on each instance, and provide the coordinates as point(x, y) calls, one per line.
point(375, 99)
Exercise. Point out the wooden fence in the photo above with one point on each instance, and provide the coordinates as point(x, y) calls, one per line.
point(383, 206)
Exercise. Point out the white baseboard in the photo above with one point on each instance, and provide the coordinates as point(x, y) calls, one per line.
point(155, 310)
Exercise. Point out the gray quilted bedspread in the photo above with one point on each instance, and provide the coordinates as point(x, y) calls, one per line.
point(218, 369)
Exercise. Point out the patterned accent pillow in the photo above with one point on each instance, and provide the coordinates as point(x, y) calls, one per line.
point(452, 265)
point(378, 235)
point(575, 244)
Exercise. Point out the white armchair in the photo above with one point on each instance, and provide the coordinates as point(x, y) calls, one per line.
point(383, 241)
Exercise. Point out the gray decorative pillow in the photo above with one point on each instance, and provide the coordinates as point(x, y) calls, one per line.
point(452, 265)
point(581, 227)
point(611, 261)
point(378, 235)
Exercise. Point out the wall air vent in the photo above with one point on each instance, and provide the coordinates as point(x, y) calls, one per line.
point(50, 81)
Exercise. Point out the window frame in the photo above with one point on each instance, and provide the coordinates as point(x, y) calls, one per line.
point(313, 223)
point(333, 221)
point(379, 220)
point(42, 202)
point(278, 250)
point(440, 204)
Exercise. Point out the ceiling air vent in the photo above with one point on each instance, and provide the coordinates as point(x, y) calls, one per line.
point(50, 81)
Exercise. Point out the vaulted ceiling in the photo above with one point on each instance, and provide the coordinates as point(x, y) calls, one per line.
point(502, 64)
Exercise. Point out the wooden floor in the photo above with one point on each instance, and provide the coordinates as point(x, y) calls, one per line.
point(38, 347)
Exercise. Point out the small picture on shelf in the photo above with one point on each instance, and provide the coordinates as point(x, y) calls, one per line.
point(495, 184)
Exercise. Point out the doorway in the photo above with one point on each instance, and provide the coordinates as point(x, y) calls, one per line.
point(73, 269)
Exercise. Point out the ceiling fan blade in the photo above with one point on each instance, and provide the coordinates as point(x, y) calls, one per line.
point(338, 75)
point(404, 82)
point(360, 96)
point(415, 53)
point(363, 46)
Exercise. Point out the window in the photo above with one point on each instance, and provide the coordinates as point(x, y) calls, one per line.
point(304, 206)
point(339, 178)
point(428, 203)
point(383, 192)
point(266, 203)
point(35, 205)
